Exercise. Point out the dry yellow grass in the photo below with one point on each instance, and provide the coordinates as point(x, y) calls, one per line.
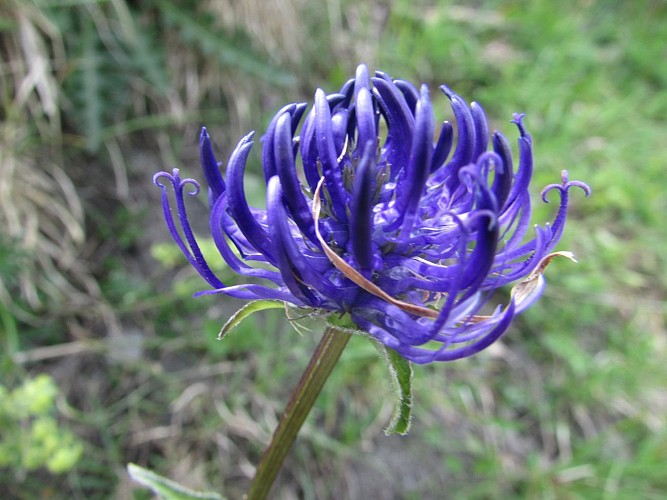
point(40, 210)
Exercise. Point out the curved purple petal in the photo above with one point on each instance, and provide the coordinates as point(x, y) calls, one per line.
point(327, 157)
point(443, 146)
point(286, 169)
point(361, 225)
point(419, 165)
point(210, 165)
point(254, 233)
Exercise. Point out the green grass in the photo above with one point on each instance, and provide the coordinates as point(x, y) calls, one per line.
point(571, 404)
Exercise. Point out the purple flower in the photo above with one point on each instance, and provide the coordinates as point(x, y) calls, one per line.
point(408, 237)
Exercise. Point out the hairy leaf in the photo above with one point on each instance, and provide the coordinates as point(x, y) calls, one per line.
point(400, 372)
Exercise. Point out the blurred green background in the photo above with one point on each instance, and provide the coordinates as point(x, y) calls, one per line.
point(106, 359)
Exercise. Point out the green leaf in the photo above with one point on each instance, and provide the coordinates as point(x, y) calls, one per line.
point(247, 310)
point(91, 79)
point(400, 372)
point(145, 52)
point(166, 488)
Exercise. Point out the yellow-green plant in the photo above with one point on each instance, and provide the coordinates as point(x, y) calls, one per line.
point(32, 437)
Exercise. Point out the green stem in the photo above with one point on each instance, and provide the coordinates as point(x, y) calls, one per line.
point(303, 397)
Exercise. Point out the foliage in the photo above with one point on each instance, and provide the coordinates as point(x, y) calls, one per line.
point(32, 437)
point(119, 50)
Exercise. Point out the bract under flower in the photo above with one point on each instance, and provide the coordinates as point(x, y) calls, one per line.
point(391, 227)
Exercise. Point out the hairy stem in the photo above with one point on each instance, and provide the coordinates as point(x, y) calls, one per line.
point(303, 397)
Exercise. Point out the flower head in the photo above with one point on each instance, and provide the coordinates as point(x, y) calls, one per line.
point(367, 215)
